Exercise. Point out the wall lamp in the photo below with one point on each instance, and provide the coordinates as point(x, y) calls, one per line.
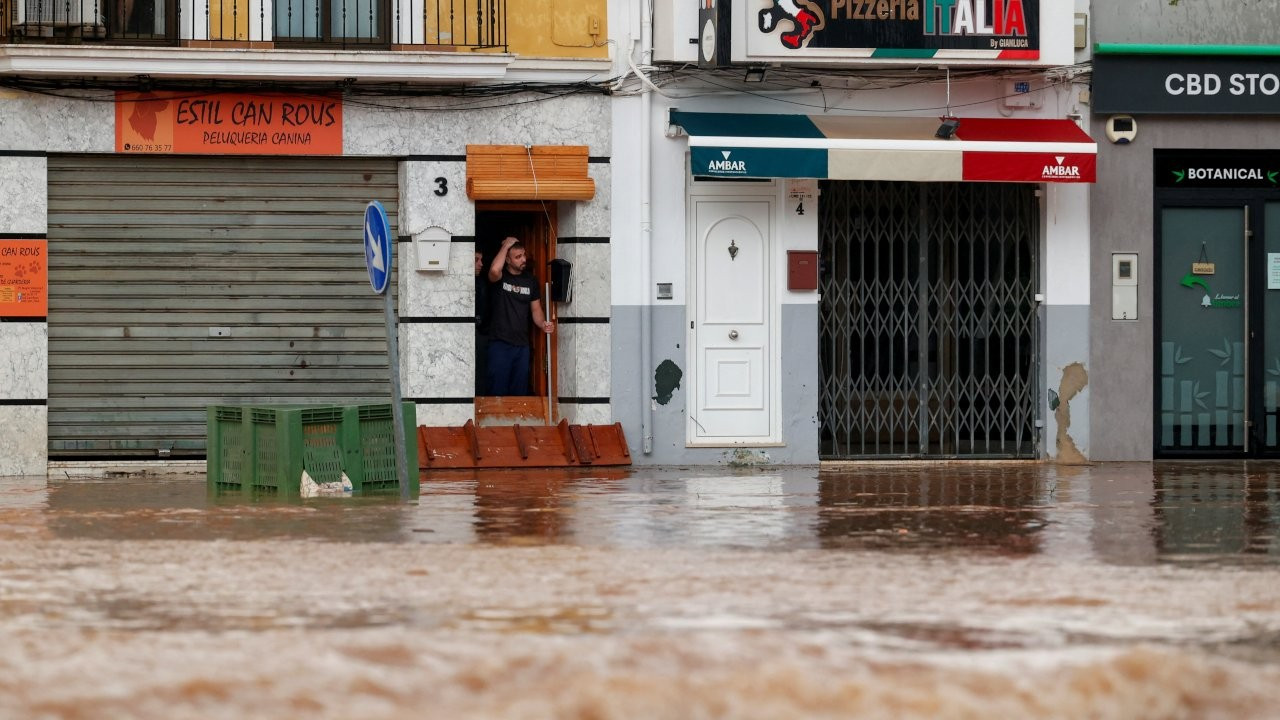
point(947, 129)
point(754, 75)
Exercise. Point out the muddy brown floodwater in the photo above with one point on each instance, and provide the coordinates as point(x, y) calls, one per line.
point(871, 590)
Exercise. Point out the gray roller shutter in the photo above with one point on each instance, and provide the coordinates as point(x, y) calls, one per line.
point(181, 282)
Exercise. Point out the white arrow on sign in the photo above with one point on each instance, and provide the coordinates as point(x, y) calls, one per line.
point(377, 251)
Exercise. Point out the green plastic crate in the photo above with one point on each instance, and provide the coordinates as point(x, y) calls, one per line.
point(262, 450)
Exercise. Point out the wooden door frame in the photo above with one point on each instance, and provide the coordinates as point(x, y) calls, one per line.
point(543, 216)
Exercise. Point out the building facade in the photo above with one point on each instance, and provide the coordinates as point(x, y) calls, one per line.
point(182, 203)
point(1186, 268)
point(837, 251)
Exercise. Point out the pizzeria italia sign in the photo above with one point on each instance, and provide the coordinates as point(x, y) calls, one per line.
point(903, 29)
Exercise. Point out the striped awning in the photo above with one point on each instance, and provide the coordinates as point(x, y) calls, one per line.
point(738, 145)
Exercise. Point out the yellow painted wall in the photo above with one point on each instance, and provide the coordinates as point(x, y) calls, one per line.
point(557, 28)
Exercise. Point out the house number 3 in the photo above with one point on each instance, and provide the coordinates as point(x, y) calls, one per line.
point(442, 187)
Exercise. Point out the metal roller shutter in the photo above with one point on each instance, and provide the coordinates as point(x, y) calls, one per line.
point(181, 282)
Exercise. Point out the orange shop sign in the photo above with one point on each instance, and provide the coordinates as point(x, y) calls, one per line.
point(24, 278)
point(228, 123)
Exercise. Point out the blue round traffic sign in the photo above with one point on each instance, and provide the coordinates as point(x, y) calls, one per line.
point(377, 246)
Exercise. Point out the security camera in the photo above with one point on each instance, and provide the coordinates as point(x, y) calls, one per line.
point(1122, 129)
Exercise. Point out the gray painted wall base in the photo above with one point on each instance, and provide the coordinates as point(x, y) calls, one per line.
point(1065, 367)
point(799, 337)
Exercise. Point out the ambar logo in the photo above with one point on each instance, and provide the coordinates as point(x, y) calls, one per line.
point(1060, 170)
point(727, 165)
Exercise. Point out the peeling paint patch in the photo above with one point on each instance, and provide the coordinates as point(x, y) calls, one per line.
point(743, 457)
point(1074, 380)
point(666, 380)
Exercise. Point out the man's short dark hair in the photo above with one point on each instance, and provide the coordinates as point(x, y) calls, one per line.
point(517, 245)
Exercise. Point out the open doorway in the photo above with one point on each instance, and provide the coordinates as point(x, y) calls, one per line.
point(533, 223)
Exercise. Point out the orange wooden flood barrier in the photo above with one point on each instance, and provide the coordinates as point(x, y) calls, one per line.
point(471, 446)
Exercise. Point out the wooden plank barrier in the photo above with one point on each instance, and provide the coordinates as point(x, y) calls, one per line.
point(514, 446)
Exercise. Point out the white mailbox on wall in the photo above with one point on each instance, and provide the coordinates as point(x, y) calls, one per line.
point(431, 246)
point(1124, 286)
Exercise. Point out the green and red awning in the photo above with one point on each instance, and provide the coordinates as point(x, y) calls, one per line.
point(738, 145)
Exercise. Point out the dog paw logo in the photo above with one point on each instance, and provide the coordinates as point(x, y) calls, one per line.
point(20, 272)
point(34, 267)
point(805, 17)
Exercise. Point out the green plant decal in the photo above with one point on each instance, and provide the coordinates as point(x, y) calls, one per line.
point(1224, 354)
point(1199, 396)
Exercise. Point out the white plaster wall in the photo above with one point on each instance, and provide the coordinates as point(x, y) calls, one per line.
point(421, 207)
point(437, 415)
point(448, 293)
point(795, 232)
point(24, 194)
point(425, 126)
point(627, 281)
point(587, 414)
point(589, 218)
point(438, 359)
point(24, 361)
point(584, 360)
point(56, 124)
point(24, 440)
point(590, 280)
point(1065, 260)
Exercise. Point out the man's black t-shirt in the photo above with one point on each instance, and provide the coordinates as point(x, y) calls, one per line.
point(509, 313)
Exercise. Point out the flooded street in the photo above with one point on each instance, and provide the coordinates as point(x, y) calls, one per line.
point(869, 590)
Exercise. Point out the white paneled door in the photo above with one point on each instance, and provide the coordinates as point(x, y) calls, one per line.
point(731, 322)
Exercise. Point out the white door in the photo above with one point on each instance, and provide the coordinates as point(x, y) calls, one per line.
point(731, 322)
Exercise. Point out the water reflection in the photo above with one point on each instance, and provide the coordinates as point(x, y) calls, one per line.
point(998, 508)
point(1127, 514)
point(1208, 511)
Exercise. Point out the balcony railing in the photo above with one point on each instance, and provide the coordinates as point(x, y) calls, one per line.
point(370, 24)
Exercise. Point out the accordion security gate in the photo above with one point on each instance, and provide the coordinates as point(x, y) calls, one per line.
point(928, 320)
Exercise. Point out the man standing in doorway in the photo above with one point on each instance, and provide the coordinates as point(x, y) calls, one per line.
point(513, 300)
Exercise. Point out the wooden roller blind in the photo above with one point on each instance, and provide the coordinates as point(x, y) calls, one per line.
point(538, 172)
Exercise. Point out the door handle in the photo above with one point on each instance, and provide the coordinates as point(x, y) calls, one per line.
point(733, 334)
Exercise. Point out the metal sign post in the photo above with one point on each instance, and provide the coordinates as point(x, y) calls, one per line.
point(377, 258)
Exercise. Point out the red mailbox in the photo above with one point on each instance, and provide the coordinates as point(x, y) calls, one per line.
point(802, 269)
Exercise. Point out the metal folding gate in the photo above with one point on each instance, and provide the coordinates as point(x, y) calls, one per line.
point(929, 330)
point(178, 282)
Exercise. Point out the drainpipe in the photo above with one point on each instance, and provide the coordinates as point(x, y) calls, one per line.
point(646, 236)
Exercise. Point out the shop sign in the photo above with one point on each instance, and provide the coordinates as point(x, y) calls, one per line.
point(24, 278)
point(1210, 299)
point(1221, 169)
point(1186, 85)
point(228, 124)
point(996, 29)
point(723, 162)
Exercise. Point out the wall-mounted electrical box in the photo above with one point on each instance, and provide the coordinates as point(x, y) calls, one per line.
point(431, 249)
point(1081, 31)
point(675, 32)
point(1022, 93)
point(802, 269)
point(1124, 286)
point(561, 287)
